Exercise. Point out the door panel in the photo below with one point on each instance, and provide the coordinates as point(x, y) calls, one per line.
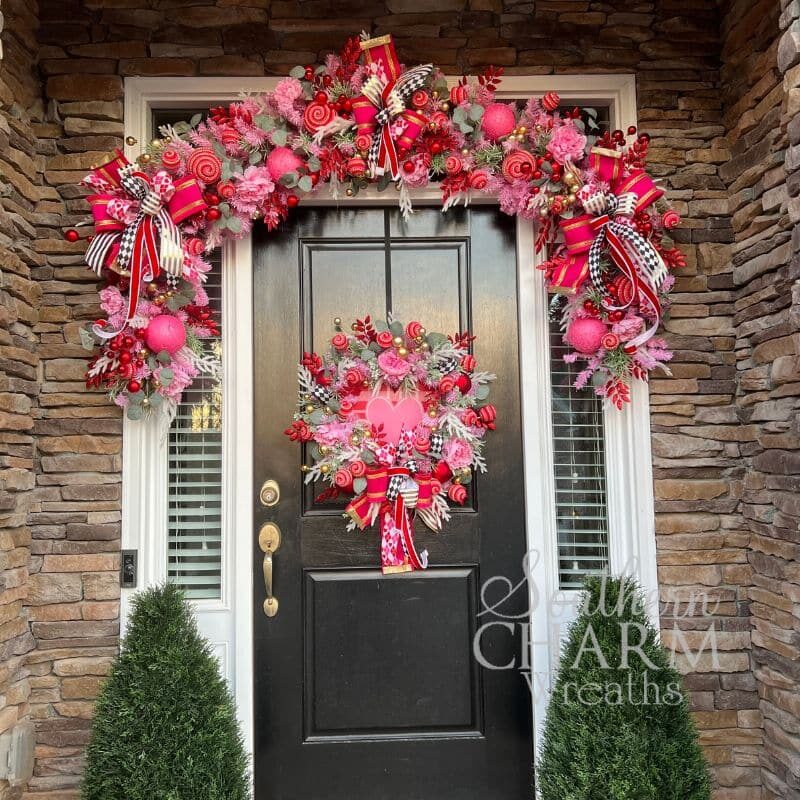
point(365, 684)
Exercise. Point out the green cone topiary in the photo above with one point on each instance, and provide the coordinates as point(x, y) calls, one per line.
point(617, 733)
point(165, 726)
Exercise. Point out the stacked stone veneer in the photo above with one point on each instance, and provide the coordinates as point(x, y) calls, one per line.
point(722, 424)
point(21, 170)
point(761, 76)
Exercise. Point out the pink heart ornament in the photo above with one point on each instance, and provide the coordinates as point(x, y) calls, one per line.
point(395, 417)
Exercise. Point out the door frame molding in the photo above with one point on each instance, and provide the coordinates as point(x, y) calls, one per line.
point(228, 621)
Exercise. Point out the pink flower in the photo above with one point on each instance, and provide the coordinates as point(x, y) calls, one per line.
point(393, 365)
point(111, 300)
point(457, 453)
point(252, 189)
point(567, 144)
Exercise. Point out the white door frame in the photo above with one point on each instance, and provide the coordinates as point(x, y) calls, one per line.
point(228, 621)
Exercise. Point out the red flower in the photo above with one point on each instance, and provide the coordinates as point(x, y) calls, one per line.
point(299, 431)
point(339, 341)
point(384, 338)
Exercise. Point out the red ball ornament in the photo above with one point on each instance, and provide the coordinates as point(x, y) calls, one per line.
point(585, 335)
point(134, 386)
point(408, 166)
point(124, 357)
point(72, 235)
point(435, 148)
point(463, 383)
point(212, 199)
point(321, 97)
point(213, 214)
point(498, 120)
point(442, 472)
point(165, 333)
point(292, 200)
point(631, 130)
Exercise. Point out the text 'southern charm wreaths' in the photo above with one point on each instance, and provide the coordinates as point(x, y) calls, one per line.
point(394, 417)
point(361, 119)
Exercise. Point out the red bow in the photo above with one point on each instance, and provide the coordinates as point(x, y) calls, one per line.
point(136, 218)
point(392, 490)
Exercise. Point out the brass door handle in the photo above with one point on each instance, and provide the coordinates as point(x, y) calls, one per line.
point(269, 540)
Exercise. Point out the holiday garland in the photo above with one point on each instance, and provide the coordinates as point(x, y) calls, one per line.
point(396, 416)
point(357, 120)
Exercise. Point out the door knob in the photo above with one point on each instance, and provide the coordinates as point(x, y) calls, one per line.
point(269, 540)
point(270, 493)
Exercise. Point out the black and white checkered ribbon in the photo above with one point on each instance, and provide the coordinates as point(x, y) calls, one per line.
point(322, 393)
point(391, 101)
point(437, 441)
point(447, 364)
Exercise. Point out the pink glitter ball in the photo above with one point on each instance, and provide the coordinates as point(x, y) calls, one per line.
point(282, 161)
point(498, 120)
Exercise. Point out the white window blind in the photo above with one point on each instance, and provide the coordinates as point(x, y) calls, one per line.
point(580, 471)
point(194, 545)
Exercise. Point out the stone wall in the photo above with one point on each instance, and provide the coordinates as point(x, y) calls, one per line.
point(21, 168)
point(699, 441)
point(761, 76)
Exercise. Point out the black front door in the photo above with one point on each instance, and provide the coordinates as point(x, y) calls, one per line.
point(366, 686)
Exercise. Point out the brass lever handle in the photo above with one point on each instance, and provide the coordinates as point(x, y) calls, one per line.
point(269, 540)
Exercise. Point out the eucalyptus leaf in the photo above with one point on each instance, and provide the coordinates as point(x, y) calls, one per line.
point(380, 325)
point(460, 114)
point(156, 399)
point(396, 328)
point(375, 347)
point(235, 224)
point(465, 127)
point(317, 417)
point(313, 163)
point(482, 392)
point(166, 376)
point(436, 340)
point(367, 456)
point(225, 173)
point(305, 184)
point(359, 485)
point(367, 354)
point(195, 120)
point(279, 137)
point(265, 122)
point(297, 72)
point(334, 404)
point(164, 357)
point(87, 340)
point(475, 112)
point(151, 362)
point(219, 149)
point(135, 398)
point(225, 208)
point(134, 412)
point(289, 179)
point(255, 157)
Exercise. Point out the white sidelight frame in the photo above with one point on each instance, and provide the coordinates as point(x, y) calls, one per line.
point(228, 621)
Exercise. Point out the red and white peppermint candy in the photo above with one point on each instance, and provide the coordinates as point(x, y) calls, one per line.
point(317, 115)
point(453, 164)
point(518, 165)
point(551, 101)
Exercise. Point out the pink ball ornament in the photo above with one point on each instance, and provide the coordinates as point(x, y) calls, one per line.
point(165, 333)
point(281, 161)
point(498, 120)
point(586, 335)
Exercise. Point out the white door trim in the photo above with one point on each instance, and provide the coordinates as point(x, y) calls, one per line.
point(629, 474)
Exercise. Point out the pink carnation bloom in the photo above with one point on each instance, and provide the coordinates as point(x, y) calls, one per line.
point(252, 189)
point(567, 144)
point(457, 453)
point(393, 365)
point(111, 300)
point(332, 433)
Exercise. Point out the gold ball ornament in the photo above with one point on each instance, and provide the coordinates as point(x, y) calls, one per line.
point(324, 469)
point(309, 408)
point(465, 151)
point(433, 413)
point(323, 449)
point(144, 158)
point(445, 106)
point(402, 352)
point(397, 341)
point(146, 402)
point(425, 347)
point(337, 321)
point(305, 468)
point(435, 94)
point(349, 192)
point(354, 327)
point(131, 141)
point(355, 439)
